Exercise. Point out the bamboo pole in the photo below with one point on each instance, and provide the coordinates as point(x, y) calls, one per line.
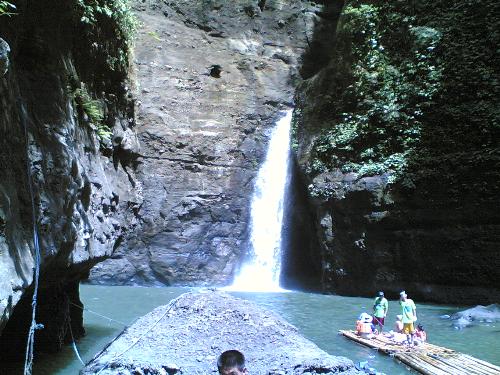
point(438, 365)
point(488, 365)
point(459, 361)
point(453, 367)
point(418, 366)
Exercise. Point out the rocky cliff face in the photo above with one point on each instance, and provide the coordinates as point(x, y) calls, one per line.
point(398, 139)
point(63, 173)
point(212, 77)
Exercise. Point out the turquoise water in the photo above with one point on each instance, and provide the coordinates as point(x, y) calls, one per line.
point(318, 317)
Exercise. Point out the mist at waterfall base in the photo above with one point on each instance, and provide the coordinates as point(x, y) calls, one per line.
point(261, 272)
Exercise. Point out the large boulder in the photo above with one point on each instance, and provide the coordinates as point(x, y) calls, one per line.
point(478, 314)
point(187, 335)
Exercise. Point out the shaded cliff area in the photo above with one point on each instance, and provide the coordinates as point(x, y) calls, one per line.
point(398, 137)
point(66, 160)
point(212, 78)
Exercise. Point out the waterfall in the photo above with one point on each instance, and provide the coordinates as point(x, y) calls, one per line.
point(262, 271)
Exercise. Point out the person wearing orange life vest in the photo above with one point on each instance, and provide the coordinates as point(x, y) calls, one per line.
point(364, 326)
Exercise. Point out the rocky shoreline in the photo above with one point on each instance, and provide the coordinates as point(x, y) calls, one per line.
point(187, 335)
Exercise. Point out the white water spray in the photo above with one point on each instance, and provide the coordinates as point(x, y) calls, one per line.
point(262, 270)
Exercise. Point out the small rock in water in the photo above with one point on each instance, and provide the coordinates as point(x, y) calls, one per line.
point(445, 316)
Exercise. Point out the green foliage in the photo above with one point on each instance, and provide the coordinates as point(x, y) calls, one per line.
point(92, 108)
point(117, 10)
point(116, 15)
point(412, 89)
point(154, 35)
point(376, 118)
point(104, 132)
point(94, 111)
point(6, 8)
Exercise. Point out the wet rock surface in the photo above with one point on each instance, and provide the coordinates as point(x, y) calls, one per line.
point(55, 178)
point(476, 315)
point(187, 335)
point(212, 78)
point(4, 57)
point(430, 227)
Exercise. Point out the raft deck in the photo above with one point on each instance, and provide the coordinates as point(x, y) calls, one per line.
point(428, 359)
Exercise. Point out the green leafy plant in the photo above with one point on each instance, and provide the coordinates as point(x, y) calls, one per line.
point(375, 119)
point(91, 107)
point(94, 111)
point(117, 18)
point(117, 10)
point(6, 8)
point(154, 35)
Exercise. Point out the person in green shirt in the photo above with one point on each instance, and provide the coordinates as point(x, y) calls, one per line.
point(380, 307)
point(409, 312)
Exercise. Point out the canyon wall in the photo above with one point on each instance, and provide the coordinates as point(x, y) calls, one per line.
point(397, 135)
point(66, 162)
point(212, 78)
point(155, 173)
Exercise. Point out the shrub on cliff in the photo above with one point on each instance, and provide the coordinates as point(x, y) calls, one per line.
point(116, 13)
point(412, 88)
point(383, 76)
point(6, 8)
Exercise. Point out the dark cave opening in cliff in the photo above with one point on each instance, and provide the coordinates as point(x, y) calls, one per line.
point(215, 71)
point(301, 261)
point(59, 314)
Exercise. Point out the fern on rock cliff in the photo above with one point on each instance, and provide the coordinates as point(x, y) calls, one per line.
point(116, 13)
point(375, 113)
point(6, 8)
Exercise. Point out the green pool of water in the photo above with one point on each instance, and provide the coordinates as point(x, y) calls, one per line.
point(318, 317)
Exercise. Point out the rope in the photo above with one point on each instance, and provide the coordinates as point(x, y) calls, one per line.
point(28, 360)
point(171, 305)
point(74, 344)
point(101, 315)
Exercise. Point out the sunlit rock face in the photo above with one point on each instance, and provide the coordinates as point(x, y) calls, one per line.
point(211, 80)
point(398, 139)
point(55, 174)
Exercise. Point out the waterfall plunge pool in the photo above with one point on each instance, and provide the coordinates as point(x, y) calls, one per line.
point(318, 317)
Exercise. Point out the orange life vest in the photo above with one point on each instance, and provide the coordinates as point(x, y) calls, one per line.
point(363, 327)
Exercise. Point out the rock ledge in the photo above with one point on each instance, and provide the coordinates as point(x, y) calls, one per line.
point(187, 335)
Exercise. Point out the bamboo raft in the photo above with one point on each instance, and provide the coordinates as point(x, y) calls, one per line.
point(427, 359)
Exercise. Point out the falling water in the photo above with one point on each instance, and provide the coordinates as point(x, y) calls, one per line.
point(262, 271)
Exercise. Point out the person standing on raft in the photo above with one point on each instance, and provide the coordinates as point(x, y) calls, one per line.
point(409, 312)
point(380, 307)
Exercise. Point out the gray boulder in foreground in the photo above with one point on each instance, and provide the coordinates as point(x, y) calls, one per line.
point(187, 335)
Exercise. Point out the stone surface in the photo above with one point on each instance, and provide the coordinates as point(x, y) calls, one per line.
point(187, 335)
point(54, 176)
point(211, 80)
point(432, 228)
point(4, 57)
